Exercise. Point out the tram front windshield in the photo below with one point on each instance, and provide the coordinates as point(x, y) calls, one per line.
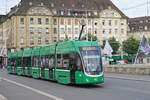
point(91, 59)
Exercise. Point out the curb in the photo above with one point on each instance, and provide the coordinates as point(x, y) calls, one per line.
point(2, 97)
point(127, 78)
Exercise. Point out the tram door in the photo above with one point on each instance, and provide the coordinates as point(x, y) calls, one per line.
point(43, 63)
point(72, 67)
point(15, 65)
point(24, 65)
point(47, 62)
point(29, 65)
point(51, 66)
point(75, 65)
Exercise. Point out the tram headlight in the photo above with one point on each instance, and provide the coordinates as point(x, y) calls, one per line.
point(80, 75)
point(95, 79)
point(87, 80)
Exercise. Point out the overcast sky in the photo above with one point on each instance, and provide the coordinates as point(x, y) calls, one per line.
point(132, 8)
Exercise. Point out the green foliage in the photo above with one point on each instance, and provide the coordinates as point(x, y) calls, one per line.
point(59, 41)
point(113, 43)
point(131, 45)
point(66, 38)
point(94, 38)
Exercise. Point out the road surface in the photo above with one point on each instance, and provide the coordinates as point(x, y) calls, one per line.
point(15, 87)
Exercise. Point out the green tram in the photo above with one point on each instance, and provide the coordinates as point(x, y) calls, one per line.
point(70, 62)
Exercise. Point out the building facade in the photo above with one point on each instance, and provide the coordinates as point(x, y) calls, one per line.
point(34, 23)
point(139, 26)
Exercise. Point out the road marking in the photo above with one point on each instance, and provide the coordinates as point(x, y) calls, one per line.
point(32, 89)
point(127, 78)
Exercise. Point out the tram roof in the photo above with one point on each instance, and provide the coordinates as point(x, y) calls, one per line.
point(62, 47)
point(71, 46)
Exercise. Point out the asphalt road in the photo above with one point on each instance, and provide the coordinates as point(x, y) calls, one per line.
point(112, 89)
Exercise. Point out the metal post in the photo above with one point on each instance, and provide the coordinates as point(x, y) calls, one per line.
point(86, 27)
point(121, 46)
point(121, 49)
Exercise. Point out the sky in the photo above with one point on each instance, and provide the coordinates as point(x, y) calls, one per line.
point(131, 8)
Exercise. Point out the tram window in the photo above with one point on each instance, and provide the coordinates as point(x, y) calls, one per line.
point(51, 62)
point(35, 61)
point(75, 61)
point(42, 61)
point(59, 61)
point(13, 62)
point(65, 61)
point(19, 62)
point(26, 61)
point(47, 61)
point(9, 62)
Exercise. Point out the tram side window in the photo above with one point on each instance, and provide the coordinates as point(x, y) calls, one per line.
point(51, 61)
point(59, 61)
point(47, 61)
point(9, 62)
point(75, 61)
point(27, 61)
point(35, 61)
point(65, 61)
point(13, 62)
point(19, 62)
point(43, 62)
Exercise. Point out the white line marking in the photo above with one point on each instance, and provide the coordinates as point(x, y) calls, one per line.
point(32, 89)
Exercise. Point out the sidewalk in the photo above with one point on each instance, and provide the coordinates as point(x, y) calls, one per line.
point(2, 97)
point(144, 78)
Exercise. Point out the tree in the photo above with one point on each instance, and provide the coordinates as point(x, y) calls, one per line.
point(94, 38)
point(131, 45)
point(113, 43)
point(66, 38)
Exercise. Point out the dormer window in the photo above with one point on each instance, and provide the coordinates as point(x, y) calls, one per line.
point(30, 3)
point(52, 5)
point(54, 12)
point(141, 21)
point(39, 11)
point(106, 13)
point(34, 10)
point(95, 13)
point(89, 13)
point(72, 5)
point(69, 13)
point(62, 12)
point(44, 11)
point(113, 14)
point(42, 4)
point(82, 6)
point(63, 5)
point(76, 14)
point(83, 15)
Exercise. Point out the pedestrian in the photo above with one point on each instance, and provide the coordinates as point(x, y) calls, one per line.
point(4, 67)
